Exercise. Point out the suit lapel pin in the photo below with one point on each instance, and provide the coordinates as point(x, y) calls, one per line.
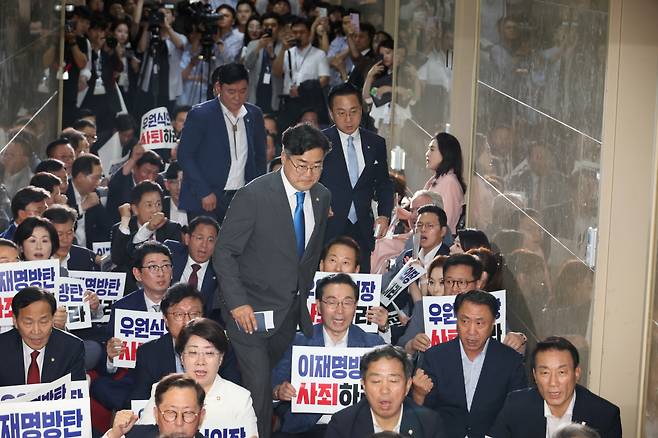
point(218, 398)
point(52, 359)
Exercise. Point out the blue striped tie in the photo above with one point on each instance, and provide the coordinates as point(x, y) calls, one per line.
point(298, 221)
point(353, 169)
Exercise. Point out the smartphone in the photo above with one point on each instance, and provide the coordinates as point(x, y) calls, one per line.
point(322, 12)
point(354, 19)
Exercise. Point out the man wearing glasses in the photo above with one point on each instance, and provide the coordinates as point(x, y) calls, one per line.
point(178, 412)
point(336, 298)
point(152, 268)
point(267, 253)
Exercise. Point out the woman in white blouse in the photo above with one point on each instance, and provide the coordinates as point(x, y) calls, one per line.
point(201, 346)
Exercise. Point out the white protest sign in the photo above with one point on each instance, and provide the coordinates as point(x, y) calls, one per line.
point(411, 271)
point(62, 388)
point(134, 328)
point(19, 275)
point(109, 287)
point(101, 248)
point(66, 418)
point(326, 379)
point(440, 321)
point(156, 130)
point(213, 427)
point(370, 287)
point(70, 294)
point(137, 406)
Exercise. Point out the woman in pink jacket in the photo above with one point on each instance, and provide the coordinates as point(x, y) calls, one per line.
point(444, 157)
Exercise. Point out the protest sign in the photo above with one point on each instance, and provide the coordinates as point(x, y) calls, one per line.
point(70, 294)
point(137, 406)
point(108, 286)
point(134, 328)
point(156, 131)
point(66, 418)
point(214, 427)
point(369, 285)
point(62, 388)
point(326, 379)
point(411, 271)
point(19, 275)
point(101, 248)
point(440, 321)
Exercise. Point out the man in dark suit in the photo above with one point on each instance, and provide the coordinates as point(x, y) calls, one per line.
point(467, 379)
point(222, 146)
point(356, 173)
point(336, 297)
point(386, 379)
point(157, 358)
point(557, 400)
point(170, 206)
point(146, 222)
point(152, 268)
point(178, 412)
point(27, 202)
point(141, 166)
point(93, 224)
point(265, 259)
point(192, 258)
point(34, 351)
point(72, 257)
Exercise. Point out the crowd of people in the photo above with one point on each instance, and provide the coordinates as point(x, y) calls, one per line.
point(278, 172)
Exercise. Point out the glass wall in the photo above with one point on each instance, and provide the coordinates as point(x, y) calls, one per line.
point(535, 184)
point(651, 404)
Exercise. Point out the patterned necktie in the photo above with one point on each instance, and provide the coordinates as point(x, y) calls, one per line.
point(353, 169)
point(33, 375)
point(194, 277)
point(298, 221)
point(156, 307)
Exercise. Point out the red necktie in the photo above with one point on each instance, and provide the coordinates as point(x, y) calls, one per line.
point(33, 375)
point(194, 278)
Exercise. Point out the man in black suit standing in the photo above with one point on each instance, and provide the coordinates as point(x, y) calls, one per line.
point(386, 379)
point(34, 351)
point(557, 400)
point(467, 379)
point(93, 223)
point(222, 146)
point(356, 173)
point(267, 253)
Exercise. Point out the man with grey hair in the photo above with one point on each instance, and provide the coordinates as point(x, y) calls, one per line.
point(577, 431)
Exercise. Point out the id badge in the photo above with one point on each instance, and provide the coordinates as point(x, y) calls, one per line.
point(267, 77)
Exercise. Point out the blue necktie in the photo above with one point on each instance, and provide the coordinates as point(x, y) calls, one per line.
point(298, 221)
point(353, 169)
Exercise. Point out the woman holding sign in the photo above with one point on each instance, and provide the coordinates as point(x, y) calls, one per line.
point(201, 346)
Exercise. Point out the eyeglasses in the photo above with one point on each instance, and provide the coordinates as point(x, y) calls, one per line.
point(458, 283)
point(429, 227)
point(91, 138)
point(179, 316)
point(304, 168)
point(170, 416)
point(347, 303)
point(195, 354)
point(154, 269)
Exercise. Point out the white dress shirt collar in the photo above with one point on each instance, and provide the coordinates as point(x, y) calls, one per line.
point(27, 358)
point(553, 423)
point(377, 428)
point(328, 342)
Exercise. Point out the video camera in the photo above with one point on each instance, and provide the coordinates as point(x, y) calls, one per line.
point(205, 19)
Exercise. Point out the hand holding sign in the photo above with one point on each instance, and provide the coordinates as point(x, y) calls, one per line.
point(94, 302)
point(60, 317)
point(284, 392)
point(420, 342)
point(113, 348)
point(421, 386)
point(157, 132)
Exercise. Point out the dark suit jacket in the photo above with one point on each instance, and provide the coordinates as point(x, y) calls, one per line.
point(149, 431)
point(356, 337)
point(356, 422)
point(9, 232)
point(123, 246)
point(523, 415)
point(502, 373)
point(204, 154)
point(256, 258)
point(373, 183)
point(64, 354)
point(179, 256)
point(119, 190)
point(82, 259)
point(97, 223)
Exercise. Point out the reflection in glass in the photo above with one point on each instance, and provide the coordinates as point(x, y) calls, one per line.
point(537, 154)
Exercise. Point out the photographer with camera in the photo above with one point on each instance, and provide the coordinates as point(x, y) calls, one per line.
point(304, 70)
point(264, 88)
point(228, 39)
point(100, 92)
point(160, 81)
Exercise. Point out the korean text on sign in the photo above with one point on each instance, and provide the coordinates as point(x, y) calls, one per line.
point(370, 287)
point(326, 379)
point(17, 276)
point(64, 419)
point(441, 322)
point(135, 328)
point(109, 287)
